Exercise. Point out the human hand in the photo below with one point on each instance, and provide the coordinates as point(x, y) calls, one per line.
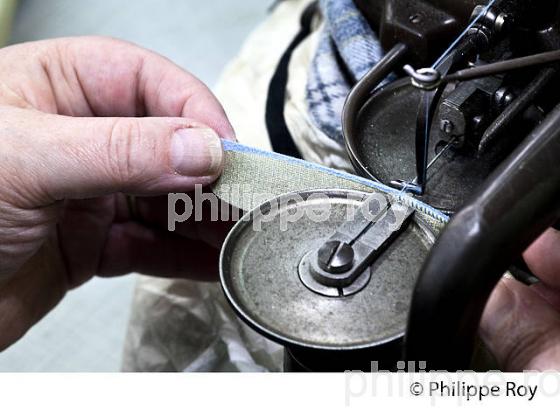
point(521, 324)
point(71, 149)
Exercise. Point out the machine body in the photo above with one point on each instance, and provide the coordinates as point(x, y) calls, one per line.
point(474, 134)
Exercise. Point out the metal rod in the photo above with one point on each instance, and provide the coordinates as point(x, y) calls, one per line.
point(438, 156)
point(519, 105)
point(504, 66)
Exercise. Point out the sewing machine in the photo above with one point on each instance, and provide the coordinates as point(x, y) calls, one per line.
point(481, 146)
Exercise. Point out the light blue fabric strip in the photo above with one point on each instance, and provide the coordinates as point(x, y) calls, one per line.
point(236, 147)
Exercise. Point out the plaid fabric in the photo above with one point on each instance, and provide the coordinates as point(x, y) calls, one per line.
point(347, 49)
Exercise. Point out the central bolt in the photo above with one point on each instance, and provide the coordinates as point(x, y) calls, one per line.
point(336, 257)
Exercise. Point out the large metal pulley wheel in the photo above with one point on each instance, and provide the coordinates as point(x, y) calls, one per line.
point(267, 276)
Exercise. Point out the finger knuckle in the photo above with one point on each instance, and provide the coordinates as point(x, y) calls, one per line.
point(131, 152)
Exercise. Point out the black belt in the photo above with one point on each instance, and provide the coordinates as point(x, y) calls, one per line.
point(279, 134)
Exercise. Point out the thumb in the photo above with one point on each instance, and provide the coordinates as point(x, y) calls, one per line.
point(57, 157)
point(521, 329)
point(521, 324)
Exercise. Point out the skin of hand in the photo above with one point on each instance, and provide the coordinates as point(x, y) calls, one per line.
point(84, 121)
point(521, 324)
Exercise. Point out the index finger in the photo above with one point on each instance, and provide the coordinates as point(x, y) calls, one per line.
point(95, 76)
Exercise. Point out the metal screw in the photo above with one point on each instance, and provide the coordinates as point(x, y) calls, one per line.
point(477, 121)
point(501, 22)
point(503, 97)
point(446, 126)
point(415, 19)
point(336, 257)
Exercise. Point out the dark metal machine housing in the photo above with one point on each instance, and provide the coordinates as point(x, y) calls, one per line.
point(483, 150)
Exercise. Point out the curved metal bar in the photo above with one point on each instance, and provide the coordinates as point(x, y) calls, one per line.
point(363, 89)
point(516, 204)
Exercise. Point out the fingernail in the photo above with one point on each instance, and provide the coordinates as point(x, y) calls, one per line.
point(230, 135)
point(196, 152)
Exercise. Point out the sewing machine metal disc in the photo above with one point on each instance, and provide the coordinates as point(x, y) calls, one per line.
point(259, 274)
point(382, 147)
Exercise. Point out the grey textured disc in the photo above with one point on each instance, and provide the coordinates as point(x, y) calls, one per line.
point(259, 274)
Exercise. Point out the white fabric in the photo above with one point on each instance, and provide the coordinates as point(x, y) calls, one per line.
point(180, 325)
